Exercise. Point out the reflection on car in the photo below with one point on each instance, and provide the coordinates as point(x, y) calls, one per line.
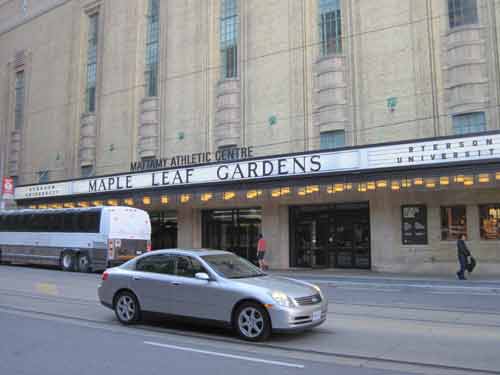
point(212, 286)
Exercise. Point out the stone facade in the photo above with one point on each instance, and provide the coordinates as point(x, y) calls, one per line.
point(403, 50)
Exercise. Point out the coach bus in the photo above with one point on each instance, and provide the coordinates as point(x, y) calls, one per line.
point(76, 239)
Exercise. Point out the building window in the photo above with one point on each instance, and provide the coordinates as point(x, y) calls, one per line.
point(462, 12)
point(19, 105)
point(332, 139)
point(469, 123)
point(87, 171)
point(414, 225)
point(90, 96)
point(43, 177)
point(330, 27)
point(152, 46)
point(489, 218)
point(227, 153)
point(453, 222)
point(229, 38)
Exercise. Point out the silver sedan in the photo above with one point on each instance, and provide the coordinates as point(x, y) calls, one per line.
point(212, 286)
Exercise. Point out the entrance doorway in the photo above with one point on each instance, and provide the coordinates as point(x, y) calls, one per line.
point(330, 236)
point(163, 230)
point(235, 230)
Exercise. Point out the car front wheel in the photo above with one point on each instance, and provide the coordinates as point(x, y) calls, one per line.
point(127, 308)
point(252, 322)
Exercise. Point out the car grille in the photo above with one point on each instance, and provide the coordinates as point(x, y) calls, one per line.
point(309, 300)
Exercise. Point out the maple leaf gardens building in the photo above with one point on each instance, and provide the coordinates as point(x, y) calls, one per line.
point(350, 134)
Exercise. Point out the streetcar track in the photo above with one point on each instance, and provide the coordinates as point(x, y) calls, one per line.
point(281, 348)
point(18, 293)
point(332, 312)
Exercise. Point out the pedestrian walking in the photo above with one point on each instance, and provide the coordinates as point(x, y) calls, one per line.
point(261, 252)
point(463, 253)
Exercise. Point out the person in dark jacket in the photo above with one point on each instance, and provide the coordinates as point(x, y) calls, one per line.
point(462, 253)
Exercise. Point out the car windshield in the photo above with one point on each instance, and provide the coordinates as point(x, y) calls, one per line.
point(231, 266)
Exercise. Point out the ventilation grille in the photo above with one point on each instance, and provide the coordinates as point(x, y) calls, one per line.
point(310, 300)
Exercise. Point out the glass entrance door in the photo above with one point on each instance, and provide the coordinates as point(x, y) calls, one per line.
point(235, 230)
point(330, 236)
point(163, 230)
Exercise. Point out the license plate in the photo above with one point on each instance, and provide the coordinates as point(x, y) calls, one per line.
point(316, 315)
point(138, 252)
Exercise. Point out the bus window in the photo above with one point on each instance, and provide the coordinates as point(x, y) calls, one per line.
point(94, 221)
point(67, 222)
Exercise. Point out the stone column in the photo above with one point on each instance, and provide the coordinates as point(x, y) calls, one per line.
point(149, 128)
point(275, 226)
point(88, 138)
point(189, 228)
point(228, 117)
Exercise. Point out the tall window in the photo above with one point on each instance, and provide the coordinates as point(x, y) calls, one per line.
point(469, 123)
point(330, 27)
point(332, 139)
point(462, 12)
point(152, 46)
point(227, 153)
point(19, 105)
point(91, 63)
point(453, 222)
point(489, 219)
point(43, 177)
point(229, 38)
point(87, 171)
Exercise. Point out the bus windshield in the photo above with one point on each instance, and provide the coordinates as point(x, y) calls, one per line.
point(129, 223)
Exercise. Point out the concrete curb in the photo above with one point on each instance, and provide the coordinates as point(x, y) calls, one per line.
point(374, 282)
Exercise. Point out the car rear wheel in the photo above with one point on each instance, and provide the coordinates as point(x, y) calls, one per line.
point(67, 261)
point(127, 308)
point(252, 322)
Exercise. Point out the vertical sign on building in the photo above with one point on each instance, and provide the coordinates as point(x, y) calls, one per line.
point(7, 191)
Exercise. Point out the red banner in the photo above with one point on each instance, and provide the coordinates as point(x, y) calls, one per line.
point(8, 188)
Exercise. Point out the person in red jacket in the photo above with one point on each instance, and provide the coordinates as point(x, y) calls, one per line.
point(261, 252)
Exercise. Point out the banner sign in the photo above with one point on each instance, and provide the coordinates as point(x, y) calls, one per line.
point(438, 151)
point(7, 188)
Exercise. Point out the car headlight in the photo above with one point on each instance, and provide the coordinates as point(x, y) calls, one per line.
point(317, 288)
point(282, 299)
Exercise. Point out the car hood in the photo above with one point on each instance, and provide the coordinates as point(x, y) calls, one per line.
point(293, 288)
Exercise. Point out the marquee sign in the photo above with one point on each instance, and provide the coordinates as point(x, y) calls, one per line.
point(438, 151)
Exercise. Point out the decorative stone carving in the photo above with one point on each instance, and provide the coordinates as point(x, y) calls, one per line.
point(466, 69)
point(14, 153)
point(88, 134)
point(149, 128)
point(331, 110)
point(228, 116)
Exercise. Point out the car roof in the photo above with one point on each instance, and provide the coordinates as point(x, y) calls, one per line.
point(192, 252)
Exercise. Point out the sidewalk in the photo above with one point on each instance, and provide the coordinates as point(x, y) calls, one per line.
point(369, 279)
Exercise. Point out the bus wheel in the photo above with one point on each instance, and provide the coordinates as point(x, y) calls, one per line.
point(84, 263)
point(67, 261)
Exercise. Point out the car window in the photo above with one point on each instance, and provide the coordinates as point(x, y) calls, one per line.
point(232, 267)
point(188, 266)
point(162, 263)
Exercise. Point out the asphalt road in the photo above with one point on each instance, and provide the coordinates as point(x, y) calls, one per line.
point(52, 323)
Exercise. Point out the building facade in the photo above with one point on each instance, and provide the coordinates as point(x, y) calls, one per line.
point(97, 88)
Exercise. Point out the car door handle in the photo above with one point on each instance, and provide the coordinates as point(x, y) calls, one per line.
point(175, 283)
point(136, 278)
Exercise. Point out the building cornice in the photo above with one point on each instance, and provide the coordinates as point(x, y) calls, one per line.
point(23, 19)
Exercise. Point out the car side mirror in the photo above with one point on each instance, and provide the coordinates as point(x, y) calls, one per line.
point(202, 276)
